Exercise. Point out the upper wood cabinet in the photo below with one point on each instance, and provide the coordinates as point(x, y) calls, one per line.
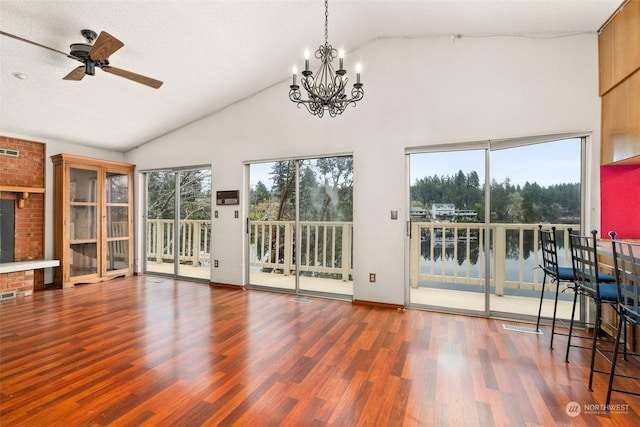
point(619, 71)
point(93, 219)
point(619, 47)
point(621, 123)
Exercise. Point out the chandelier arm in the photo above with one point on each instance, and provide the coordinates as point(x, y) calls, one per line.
point(294, 93)
point(356, 94)
point(303, 104)
point(311, 106)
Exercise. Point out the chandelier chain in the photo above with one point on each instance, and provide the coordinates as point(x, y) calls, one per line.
point(326, 22)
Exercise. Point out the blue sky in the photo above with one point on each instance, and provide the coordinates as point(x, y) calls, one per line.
point(260, 172)
point(547, 164)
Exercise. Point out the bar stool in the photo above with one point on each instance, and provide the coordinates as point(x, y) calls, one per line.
point(551, 269)
point(592, 284)
point(626, 260)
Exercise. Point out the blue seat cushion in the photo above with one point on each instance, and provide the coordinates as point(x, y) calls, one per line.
point(609, 292)
point(565, 273)
point(602, 277)
point(606, 278)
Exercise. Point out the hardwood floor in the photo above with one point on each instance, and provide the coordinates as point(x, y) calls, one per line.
point(154, 351)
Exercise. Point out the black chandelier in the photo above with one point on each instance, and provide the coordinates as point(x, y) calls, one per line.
point(326, 90)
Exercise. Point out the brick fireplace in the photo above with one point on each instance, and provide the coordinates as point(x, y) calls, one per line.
point(22, 180)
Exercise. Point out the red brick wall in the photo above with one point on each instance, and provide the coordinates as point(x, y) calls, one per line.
point(30, 229)
point(26, 170)
point(23, 282)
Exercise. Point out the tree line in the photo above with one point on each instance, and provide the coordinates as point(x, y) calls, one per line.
point(326, 194)
point(510, 203)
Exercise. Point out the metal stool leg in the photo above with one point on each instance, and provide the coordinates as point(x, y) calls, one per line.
point(544, 279)
point(553, 321)
point(621, 321)
point(596, 334)
point(573, 314)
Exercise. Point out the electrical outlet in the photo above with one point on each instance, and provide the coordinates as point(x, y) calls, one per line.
point(372, 277)
point(215, 263)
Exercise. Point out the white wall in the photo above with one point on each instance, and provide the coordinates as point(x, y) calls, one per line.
point(417, 93)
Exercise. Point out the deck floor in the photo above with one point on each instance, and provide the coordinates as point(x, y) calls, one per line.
point(448, 299)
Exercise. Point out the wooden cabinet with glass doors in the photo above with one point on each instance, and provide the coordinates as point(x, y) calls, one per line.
point(93, 219)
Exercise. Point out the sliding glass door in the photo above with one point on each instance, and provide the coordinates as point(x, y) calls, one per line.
point(447, 261)
point(325, 226)
point(300, 226)
point(531, 185)
point(272, 214)
point(178, 223)
point(474, 218)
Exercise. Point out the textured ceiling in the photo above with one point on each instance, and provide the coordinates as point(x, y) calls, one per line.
point(213, 53)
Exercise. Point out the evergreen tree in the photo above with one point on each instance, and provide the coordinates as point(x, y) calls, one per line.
point(260, 194)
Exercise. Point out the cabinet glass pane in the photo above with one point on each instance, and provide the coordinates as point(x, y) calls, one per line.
point(117, 188)
point(117, 254)
point(83, 222)
point(82, 186)
point(83, 259)
point(117, 221)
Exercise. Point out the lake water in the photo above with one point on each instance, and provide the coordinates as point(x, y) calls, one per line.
point(512, 264)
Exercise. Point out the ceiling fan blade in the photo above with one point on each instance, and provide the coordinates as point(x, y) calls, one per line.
point(104, 46)
point(76, 74)
point(133, 76)
point(39, 45)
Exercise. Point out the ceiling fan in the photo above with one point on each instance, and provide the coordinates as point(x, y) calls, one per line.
point(94, 55)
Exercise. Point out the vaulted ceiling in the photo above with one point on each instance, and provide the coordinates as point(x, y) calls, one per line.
point(210, 54)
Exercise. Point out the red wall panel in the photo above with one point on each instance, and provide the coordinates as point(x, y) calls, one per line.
point(620, 201)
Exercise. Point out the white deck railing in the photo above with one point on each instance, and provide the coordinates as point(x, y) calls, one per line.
point(325, 247)
point(194, 245)
point(439, 252)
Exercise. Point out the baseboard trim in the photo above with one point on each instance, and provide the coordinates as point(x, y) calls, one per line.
point(378, 304)
point(227, 286)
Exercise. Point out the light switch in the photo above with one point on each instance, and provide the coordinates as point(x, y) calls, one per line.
point(394, 214)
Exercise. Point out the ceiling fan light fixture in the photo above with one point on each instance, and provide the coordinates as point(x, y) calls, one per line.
point(80, 50)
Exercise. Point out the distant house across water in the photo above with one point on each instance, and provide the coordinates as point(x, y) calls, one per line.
point(448, 211)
